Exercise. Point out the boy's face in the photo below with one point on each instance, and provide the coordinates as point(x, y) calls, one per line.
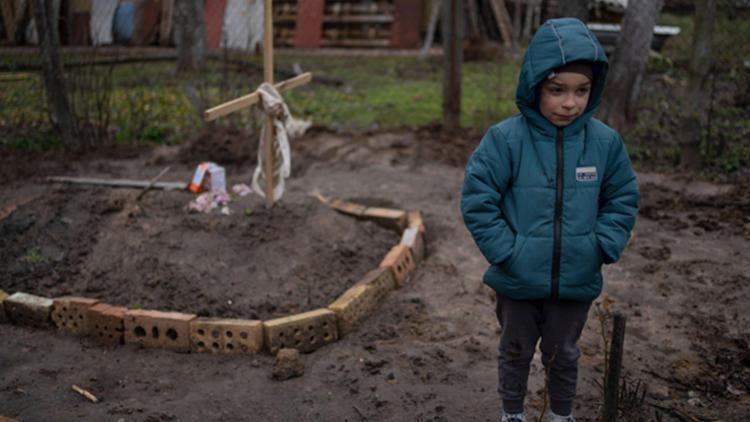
point(564, 97)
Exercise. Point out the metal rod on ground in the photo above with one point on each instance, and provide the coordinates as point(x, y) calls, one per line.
point(151, 183)
point(612, 387)
point(268, 77)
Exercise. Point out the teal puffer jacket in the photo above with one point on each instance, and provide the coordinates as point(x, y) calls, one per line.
point(546, 205)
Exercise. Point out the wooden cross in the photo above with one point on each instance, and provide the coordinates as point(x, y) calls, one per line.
point(250, 99)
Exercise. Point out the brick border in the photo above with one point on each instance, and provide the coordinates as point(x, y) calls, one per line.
point(307, 331)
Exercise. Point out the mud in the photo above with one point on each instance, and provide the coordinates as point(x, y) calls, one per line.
point(427, 355)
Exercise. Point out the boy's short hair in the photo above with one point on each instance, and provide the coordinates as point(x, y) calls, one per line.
point(582, 67)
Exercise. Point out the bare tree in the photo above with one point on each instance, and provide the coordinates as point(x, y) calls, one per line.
point(190, 35)
point(452, 34)
point(695, 95)
point(575, 9)
point(629, 62)
point(45, 17)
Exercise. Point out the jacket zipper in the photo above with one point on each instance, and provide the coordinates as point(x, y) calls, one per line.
point(558, 216)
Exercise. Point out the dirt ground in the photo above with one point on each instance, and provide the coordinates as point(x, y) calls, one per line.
point(429, 354)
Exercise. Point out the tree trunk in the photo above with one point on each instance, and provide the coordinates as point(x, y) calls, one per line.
point(700, 63)
point(45, 18)
point(452, 34)
point(696, 92)
point(517, 8)
point(190, 35)
point(618, 107)
point(575, 9)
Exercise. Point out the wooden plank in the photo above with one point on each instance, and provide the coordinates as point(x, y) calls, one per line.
point(355, 43)
point(250, 99)
point(118, 183)
point(165, 26)
point(359, 18)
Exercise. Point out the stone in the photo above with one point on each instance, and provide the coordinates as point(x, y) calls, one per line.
point(305, 332)
point(389, 218)
point(414, 240)
point(401, 263)
point(288, 365)
point(71, 314)
point(157, 329)
point(25, 309)
point(213, 335)
point(107, 323)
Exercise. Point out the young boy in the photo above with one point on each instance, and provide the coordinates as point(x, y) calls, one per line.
point(549, 195)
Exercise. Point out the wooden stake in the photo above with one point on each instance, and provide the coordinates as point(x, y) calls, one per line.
point(268, 77)
point(614, 367)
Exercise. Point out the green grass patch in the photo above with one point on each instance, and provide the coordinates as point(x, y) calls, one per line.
point(149, 104)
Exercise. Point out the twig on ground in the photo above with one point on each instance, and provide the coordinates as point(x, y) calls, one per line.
point(87, 395)
point(152, 182)
point(362, 415)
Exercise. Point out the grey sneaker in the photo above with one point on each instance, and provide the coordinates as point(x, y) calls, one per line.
point(515, 417)
point(557, 418)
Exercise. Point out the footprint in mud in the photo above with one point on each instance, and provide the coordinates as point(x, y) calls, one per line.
point(655, 254)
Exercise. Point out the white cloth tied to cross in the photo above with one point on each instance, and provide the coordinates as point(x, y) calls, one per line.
point(284, 126)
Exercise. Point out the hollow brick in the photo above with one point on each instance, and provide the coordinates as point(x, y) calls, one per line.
point(213, 335)
point(107, 323)
point(305, 332)
point(157, 329)
point(71, 314)
point(401, 263)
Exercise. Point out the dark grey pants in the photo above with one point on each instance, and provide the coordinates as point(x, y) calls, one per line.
point(559, 324)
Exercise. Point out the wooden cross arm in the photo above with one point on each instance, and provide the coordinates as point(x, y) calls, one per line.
point(250, 99)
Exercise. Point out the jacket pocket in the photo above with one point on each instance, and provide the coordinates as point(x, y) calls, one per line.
point(517, 248)
point(595, 245)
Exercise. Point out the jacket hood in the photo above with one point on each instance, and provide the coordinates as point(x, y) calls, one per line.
point(557, 43)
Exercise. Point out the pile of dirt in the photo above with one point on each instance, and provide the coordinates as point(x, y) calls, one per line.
point(221, 145)
point(255, 263)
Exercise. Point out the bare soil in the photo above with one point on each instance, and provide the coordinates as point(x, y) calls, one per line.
point(427, 355)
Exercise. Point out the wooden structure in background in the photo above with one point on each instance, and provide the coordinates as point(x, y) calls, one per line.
point(327, 23)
